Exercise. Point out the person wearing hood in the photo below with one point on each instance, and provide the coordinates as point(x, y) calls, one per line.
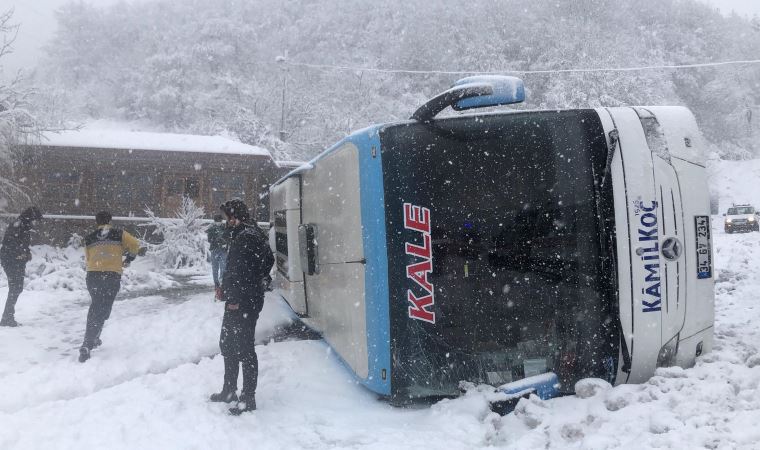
point(249, 261)
point(14, 254)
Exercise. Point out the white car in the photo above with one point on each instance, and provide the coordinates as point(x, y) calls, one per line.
point(741, 218)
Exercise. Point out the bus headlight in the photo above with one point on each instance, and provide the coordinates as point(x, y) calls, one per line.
point(751, 219)
point(728, 220)
point(668, 352)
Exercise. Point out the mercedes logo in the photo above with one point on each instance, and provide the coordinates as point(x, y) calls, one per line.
point(671, 248)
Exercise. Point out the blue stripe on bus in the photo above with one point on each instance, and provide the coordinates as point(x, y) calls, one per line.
point(376, 254)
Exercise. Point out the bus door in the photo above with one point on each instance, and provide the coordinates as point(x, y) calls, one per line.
point(286, 218)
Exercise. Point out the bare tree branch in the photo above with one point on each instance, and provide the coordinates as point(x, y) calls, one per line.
point(17, 123)
point(9, 32)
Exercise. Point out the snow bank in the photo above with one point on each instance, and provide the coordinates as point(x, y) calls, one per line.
point(54, 269)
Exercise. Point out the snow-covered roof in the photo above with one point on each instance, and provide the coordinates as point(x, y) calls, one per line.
point(140, 140)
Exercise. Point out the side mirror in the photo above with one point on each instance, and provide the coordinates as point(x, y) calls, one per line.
point(473, 92)
point(724, 214)
point(505, 91)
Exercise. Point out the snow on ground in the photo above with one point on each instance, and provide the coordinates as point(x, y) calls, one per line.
point(146, 339)
point(716, 404)
point(147, 386)
point(735, 182)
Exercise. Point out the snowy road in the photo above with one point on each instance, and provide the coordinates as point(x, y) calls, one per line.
point(147, 386)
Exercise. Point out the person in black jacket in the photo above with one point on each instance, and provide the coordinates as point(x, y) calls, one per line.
point(14, 254)
point(249, 261)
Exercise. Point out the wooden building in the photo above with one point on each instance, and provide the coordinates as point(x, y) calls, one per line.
point(78, 173)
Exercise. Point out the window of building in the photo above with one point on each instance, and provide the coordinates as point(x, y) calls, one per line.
point(123, 193)
point(192, 187)
point(184, 186)
point(175, 186)
point(226, 187)
point(138, 194)
point(60, 193)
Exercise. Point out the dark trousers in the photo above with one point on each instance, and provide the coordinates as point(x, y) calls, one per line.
point(103, 287)
point(250, 365)
point(237, 342)
point(15, 274)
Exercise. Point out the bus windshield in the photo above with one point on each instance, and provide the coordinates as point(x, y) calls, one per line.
point(522, 250)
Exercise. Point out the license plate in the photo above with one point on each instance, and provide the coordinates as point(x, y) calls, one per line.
point(704, 247)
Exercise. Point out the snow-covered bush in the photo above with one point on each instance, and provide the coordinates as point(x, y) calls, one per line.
point(56, 269)
point(184, 242)
point(60, 269)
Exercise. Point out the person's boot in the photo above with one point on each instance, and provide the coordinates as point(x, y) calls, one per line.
point(9, 321)
point(84, 354)
point(226, 396)
point(246, 404)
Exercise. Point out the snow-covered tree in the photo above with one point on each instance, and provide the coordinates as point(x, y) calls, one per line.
point(210, 66)
point(17, 124)
point(183, 238)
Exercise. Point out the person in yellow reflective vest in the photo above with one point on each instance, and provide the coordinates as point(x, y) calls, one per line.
point(104, 249)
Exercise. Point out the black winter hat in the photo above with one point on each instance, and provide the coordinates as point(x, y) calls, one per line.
point(236, 209)
point(103, 218)
point(29, 214)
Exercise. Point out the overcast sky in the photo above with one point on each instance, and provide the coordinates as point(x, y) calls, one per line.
point(38, 24)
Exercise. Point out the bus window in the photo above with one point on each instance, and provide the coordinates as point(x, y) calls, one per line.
point(281, 241)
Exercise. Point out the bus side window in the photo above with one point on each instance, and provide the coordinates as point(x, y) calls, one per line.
point(307, 241)
point(281, 241)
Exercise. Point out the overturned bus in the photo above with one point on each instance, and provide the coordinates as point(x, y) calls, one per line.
point(535, 247)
